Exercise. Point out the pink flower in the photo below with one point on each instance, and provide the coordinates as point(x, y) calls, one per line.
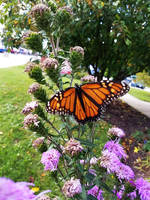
point(49, 63)
point(66, 68)
point(29, 107)
point(72, 187)
point(109, 161)
point(50, 159)
point(67, 9)
point(77, 49)
point(39, 9)
point(29, 66)
point(93, 161)
point(36, 143)
point(116, 132)
point(33, 88)
point(72, 147)
point(31, 120)
point(89, 78)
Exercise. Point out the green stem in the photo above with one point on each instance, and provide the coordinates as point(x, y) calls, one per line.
point(53, 126)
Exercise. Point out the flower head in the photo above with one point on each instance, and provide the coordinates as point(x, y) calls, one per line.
point(89, 78)
point(31, 120)
point(26, 35)
point(93, 161)
point(96, 192)
point(39, 9)
point(109, 161)
point(132, 195)
point(50, 159)
point(124, 172)
point(77, 49)
point(9, 190)
point(66, 68)
point(33, 88)
point(43, 197)
point(73, 147)
point(49, 63)
point(29, 66)
point(72, 187)
point(115, 148)
point(92, 171)
point(67, 9)
point(36, 143)
point(143, 188)
point(29, 107)
point(116, 132)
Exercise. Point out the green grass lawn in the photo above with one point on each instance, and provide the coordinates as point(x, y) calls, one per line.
point(140, 94)
point(18, 159)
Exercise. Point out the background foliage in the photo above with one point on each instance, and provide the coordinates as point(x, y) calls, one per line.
point(115, 34)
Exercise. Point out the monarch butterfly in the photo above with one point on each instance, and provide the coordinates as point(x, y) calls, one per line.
point(86, 102)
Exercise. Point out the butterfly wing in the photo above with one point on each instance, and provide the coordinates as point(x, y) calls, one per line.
point(105, 91)
point(97, 95)
point(67, 102)
point(86, 102)
point(62, 102)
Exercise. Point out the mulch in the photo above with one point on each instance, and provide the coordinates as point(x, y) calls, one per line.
point(122, 115)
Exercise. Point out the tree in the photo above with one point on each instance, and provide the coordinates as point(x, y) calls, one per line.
point(115, 34)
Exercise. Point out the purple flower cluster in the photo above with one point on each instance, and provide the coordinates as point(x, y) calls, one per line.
point(72, 187)
point(116, 132)
point(115, 148)
point(72, 147)
point(29, 107)
point(110, 160)
point(9, 190)
point(143, 188)
point(96, 192)
point(124, 172)
point(132, 195)
point(50, 159)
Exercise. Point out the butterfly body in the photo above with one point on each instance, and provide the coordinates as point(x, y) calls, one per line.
point(86, 102)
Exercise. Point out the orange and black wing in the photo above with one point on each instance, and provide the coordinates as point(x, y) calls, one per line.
point(63, 102)
point(67, 102)
point(86, 102)
point(96, 96)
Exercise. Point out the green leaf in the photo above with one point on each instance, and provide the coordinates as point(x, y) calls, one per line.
point(89, 177)
point(80, 168)
point(90, 197)
point(86, 142)
point(83, 194)
point(128, 42)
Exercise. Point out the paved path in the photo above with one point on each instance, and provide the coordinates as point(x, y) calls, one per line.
point(141, 106)
point(10, 60)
